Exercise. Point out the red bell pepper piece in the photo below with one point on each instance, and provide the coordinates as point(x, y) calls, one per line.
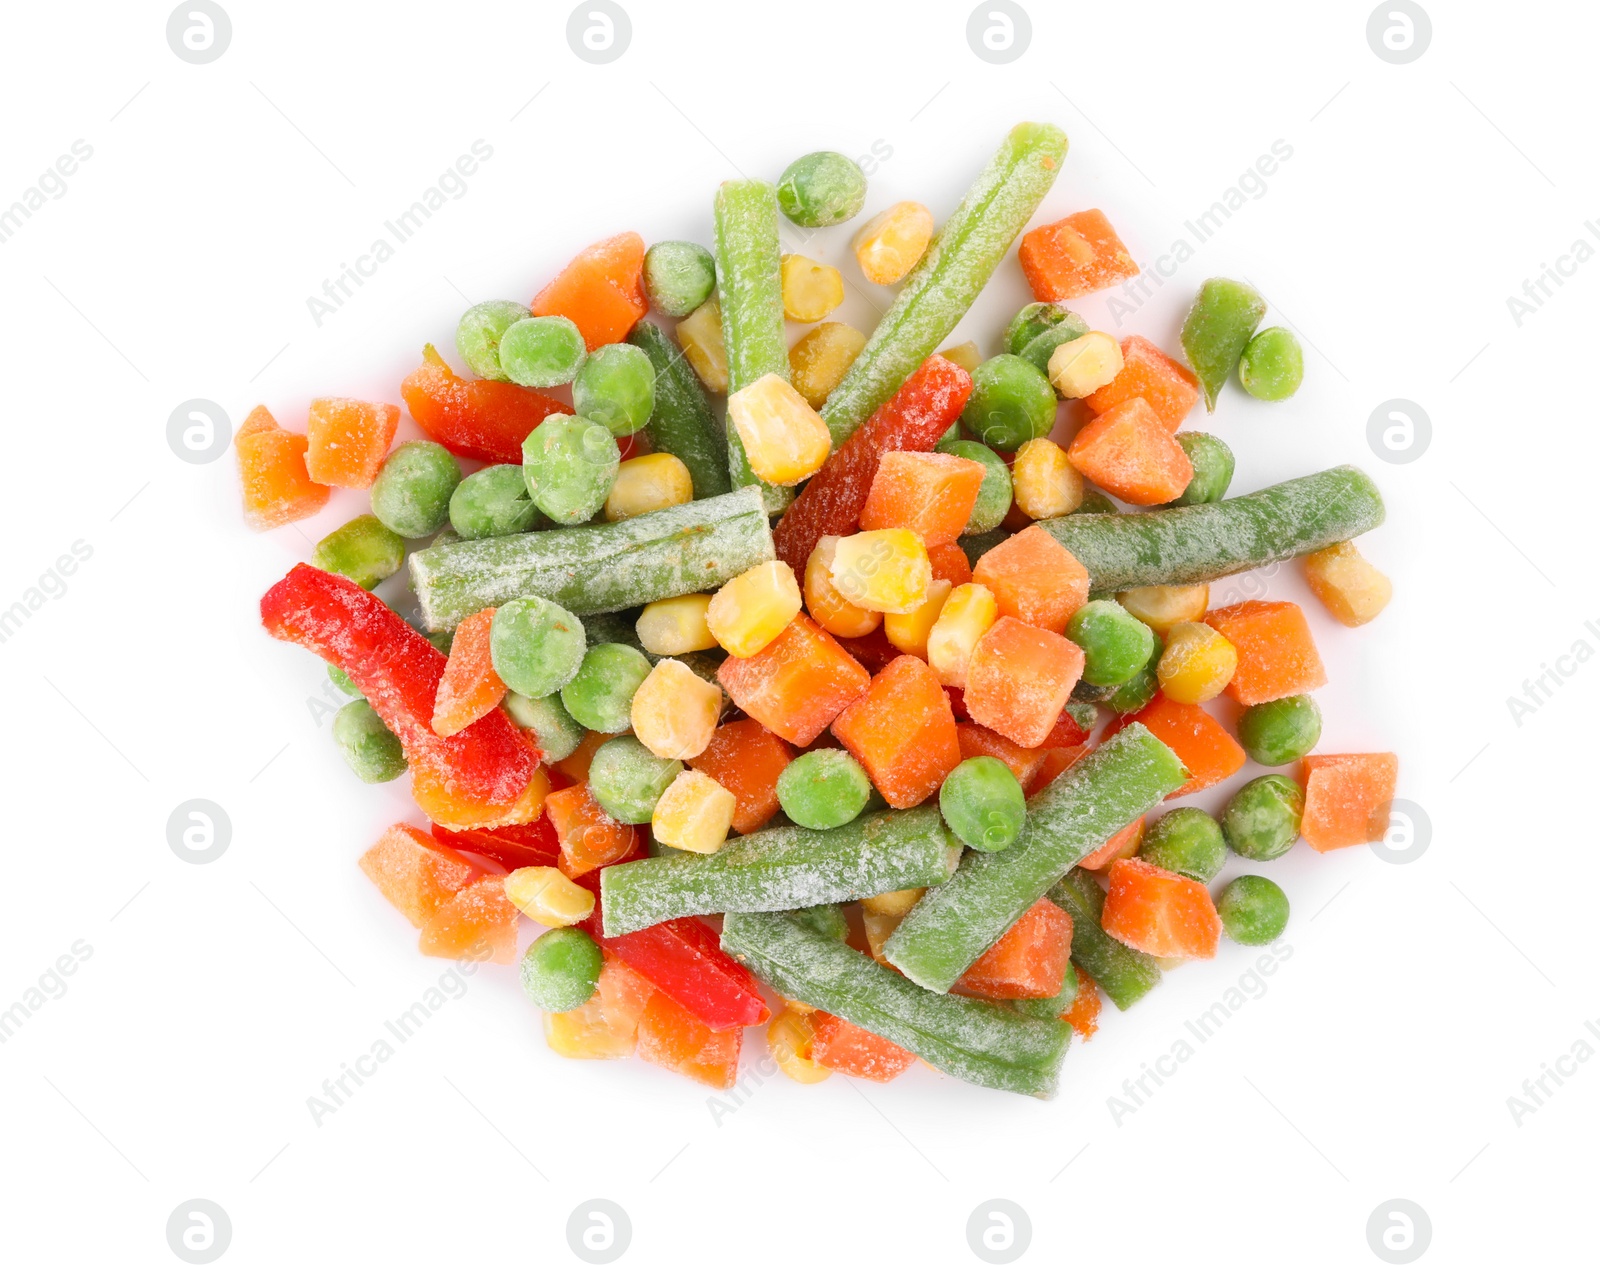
point(684, 959)
point(511, 846)
point(474, 417)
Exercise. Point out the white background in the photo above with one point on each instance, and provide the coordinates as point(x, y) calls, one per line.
point(218, 997)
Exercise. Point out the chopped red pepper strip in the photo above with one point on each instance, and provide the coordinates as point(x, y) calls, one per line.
point(474, 417)
point(684, 959)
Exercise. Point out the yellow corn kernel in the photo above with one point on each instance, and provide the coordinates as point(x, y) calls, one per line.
point(675, 712)
point(819, 361)
point(967, 614)
point(799, 1007)
point(787, 1036)
point(584, 1033)
point(824, 602)
point(908, 633)
point(897, 903)
point(879, 927)
point(548, 896)
point(751, 609)
point(1084, 364)
point(964, 355)
point(783, 437)
point(884, 570)
point(810, 290)
point(700, 336)
point(892, 241)
point(694, 813)
point(1160, 606)
point(1044, 483)
point(1353, 590)
point(651, 482)
point(676, 625)
point(1197, 664)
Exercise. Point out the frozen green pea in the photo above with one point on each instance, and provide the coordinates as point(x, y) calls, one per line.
point(821, 189)
point(1186, 841)
point(1213, 468)
point(1272, 365)
point(627, 779)
point(369, 748)
point(1280, 731)
point(1115, 645)
point(480, 331)
point(1262, 820)
point(1254, 910)
point(342, 681)
point(569, 465)
point(823, 789)
point(600, 696)
point(561, 969)
point(1035, 319)
point(363, 550)
point(541, 351)
point(554, 732)
point(1215, 332)
point(994, 496)
point(411, 495)
point(616, 387)
point(678, 277)
point(536, 646)
point(1011, 403)
point(492, 502)
point(1095, 502)
point(983, 804)
point(1043, 345)
point(1141, 687)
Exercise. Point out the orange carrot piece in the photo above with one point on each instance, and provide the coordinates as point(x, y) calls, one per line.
point(414, 873)
point(1348, 798)
point(841, 1045)
point(272, 467)
point(1084, 1014)
point(930, 493)
point(470, 687)
point(478, 922)
point(601, 291)
point(903, 732)
point(348, 440)
point(671, 1037)
point(1196, 737)
point(590, 837)
point(1030, 960)
point(1277, 656)
point(1128, 452)
point(1159, 912)
point(1149, 373)
point(1074, 256)
point(1034, 578)
point(797, 684)
point(1019, 678)
point(949, 562)
point(745, 757)
point(1125, 843)
point(975, 740)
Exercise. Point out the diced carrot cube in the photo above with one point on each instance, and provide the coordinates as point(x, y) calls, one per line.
point(949, 562)
point(1277, 656)
point(1030, 960)
point(1074, 256)
point(477, 922)
point(841, 1045)
point(932, 493)
point(470, 687)
point(1196, 737)
point(1150, 374)
point(1034, 578)
point(797, 684)
point(1084, 1013)
point(1159, 912)
point(601, 291)
point(607, 1025)
point(590, 837)
point(348, 440)
point(1348, 798)
point(1019, 678)
point(1125, 843)
point(1023, 762)
point(903, 732)
point(272, 468)
point(1057, 760)
point(671, 1037)
point(1129, 453)
point(414, 873)
point(746, 758)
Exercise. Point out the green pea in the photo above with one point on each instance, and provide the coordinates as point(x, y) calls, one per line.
point(678, 277)
point(554, 732)
point(561, 969)
point(341, 679)
point(411, 495)
point(1186, 841)
point(1213, 468)
point(1095, 502)
point(480, 331)
point(1262, 820)
point(627, 779)
point(492, 502)
point(1035, 319)
point(1219, 324)
point(569, 464)
point(1011, 403)
point(1280, 731)
point(541, 351)
point(600, 696)
point(983, 804)
point(1040, 348)
point(1142, 686)
point(369, 748)
point(821, 189)
point(1272, 365)
point(1254, 910)
point(994, 496)
point(363, 550)
point(536, 646)
point(616, 387)
point(822, 789)
point(1115, 645)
